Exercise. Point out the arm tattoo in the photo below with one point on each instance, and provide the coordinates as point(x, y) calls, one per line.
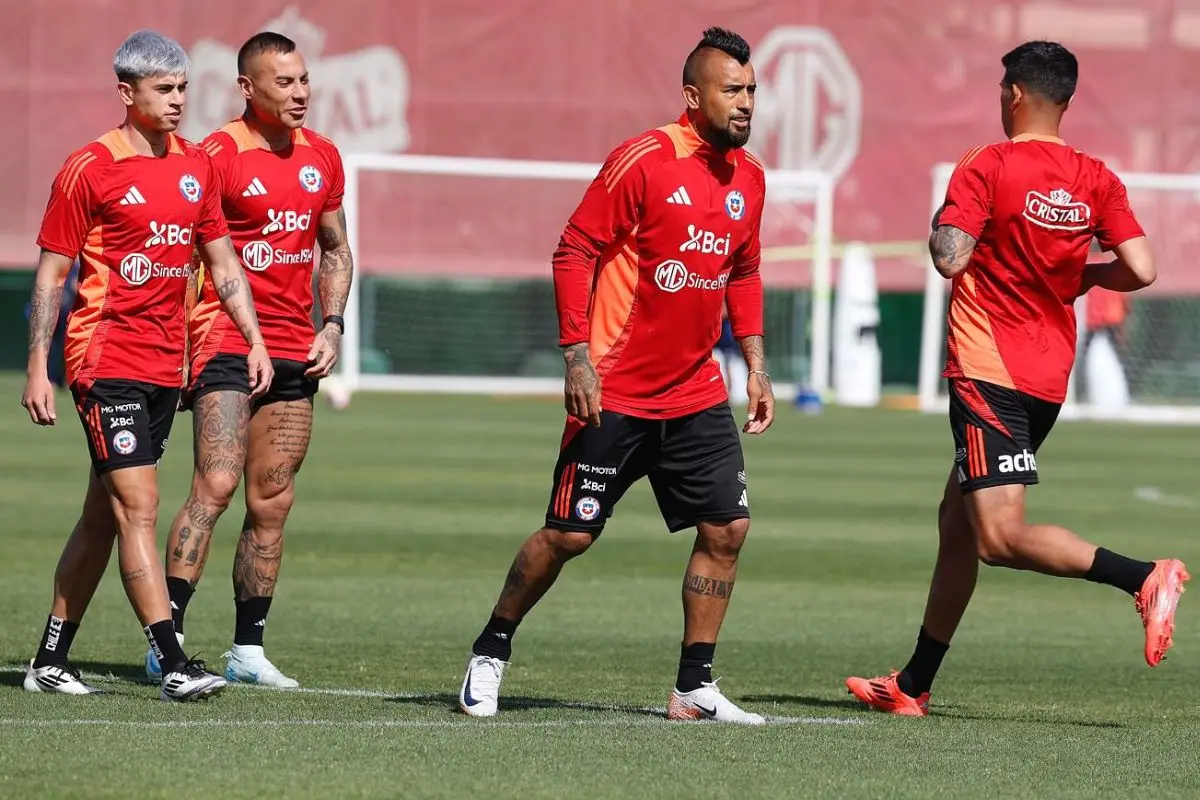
point(235, 296)
point(950, 249)
point(43, 316)
point(337, 266)
point(752, 351)
point(711, 587)
point(581, 373)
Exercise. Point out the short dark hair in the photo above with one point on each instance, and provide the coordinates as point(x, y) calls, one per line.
point(715, 38)
point(1045, 68)
point(265, 42)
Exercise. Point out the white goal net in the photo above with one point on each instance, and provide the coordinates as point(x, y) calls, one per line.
point(453, 290)
point(1138, 357)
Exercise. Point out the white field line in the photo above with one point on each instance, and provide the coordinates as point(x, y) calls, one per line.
point(649, 711)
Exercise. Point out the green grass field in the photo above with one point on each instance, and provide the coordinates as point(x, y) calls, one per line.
point(410, 510)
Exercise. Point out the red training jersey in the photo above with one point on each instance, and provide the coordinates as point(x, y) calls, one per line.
point(1034, 204)
point(273, 202)
point(133, 220)
point(665, 235)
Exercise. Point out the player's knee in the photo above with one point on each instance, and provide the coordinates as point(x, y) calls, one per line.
point(216, 489)
point(270, 505)
point(994, 544)
point(725, 539)
point(565, 544)
point(137, 513)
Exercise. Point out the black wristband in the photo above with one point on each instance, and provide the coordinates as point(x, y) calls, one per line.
point(337, 320)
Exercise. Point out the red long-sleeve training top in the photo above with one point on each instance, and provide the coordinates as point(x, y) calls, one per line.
point(665, 235)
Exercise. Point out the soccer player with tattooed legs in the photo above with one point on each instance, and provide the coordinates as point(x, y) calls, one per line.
point(666, 233)
point(132, 205)
point(1014, 234)
point(281, 190)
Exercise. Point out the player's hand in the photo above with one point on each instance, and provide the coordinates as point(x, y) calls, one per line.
point(38, 400)
point(262, 372)
point(761, 410)
point(582, 391)
point(323, 354)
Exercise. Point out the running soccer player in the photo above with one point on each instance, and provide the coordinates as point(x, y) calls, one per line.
point(1013, 234)
point(282, 194)
point(666, 233)
point(132, 204)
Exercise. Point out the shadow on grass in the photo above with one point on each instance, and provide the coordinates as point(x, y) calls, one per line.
point(943, 711)
point(519, 703)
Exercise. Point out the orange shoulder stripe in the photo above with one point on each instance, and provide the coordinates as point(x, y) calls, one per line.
point(72, 175)
point(630, 157)
point(970, 156)
point(753, 160)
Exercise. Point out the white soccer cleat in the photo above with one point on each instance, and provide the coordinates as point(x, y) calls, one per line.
point(153, 670)
point(191, 682)
point(247, 664)
point(480, 693)
point(61, 678)
point(707, 703)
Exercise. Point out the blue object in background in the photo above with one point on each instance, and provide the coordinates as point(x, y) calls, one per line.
point(808, 401)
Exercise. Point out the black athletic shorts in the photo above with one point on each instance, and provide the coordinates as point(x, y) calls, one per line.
point(127, 422)
point(694, 464)
point(997, 433)
point(231, 373)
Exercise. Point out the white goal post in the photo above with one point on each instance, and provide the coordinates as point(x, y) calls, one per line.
point(1157, 374)
point(812, 189)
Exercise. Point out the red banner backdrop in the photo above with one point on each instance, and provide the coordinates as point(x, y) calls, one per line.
point(874, 91)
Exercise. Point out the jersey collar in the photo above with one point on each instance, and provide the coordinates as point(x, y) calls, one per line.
point(1036, 137)
point(686, 136)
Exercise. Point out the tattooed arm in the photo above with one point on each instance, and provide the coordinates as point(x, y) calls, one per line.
point(758, 387)
point(233, 290)
point(582, 388)
point(951, 249)
point(334, 276)
point(44, 306)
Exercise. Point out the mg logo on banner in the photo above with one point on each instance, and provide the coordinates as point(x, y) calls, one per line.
point(808, 114)
point(359, 98)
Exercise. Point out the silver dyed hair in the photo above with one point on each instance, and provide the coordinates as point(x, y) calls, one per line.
point(149, 54)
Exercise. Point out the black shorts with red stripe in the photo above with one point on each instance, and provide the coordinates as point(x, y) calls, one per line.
point(997, 433)
point(694, 464)
point(127, 422)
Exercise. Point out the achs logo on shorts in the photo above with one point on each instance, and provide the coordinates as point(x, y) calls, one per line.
point(587, 509)
point(735, 205)
point(189, 187)
point(124, 442)
point(310, 178)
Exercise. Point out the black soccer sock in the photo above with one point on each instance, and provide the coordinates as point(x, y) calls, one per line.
point(161, 636)
point(917, 676)
point(180, 592)
point(251, 620)
point(496, 639)
point(1113, 569)
point(695, 666)
point(56, 642)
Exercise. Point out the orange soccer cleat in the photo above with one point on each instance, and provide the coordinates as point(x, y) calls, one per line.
point(1156, 602)
point(884, 694)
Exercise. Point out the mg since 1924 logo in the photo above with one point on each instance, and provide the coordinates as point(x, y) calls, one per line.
point(809, 108)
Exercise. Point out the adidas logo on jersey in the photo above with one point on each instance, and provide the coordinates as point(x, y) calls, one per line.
point(255, 189)
point(680, 197)
point(133, 197)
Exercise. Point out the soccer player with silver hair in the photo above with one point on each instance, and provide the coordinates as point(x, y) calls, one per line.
point(132, 206)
